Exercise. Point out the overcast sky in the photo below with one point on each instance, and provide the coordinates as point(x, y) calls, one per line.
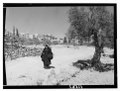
point(42, 20)
point(38, 20)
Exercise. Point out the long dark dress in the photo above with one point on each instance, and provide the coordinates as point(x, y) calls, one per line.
point(46, 56)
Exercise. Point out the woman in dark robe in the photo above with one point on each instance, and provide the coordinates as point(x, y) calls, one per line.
point(47, 56)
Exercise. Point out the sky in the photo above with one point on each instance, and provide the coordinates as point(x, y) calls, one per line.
point(38, 20)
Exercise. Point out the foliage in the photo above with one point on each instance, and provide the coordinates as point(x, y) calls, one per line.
point(95, 21)
point(71, 33)
point(78, 19)
point(86, 20)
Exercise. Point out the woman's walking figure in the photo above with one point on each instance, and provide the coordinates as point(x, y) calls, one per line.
point(47, 56)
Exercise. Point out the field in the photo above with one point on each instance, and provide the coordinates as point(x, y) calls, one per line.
point(30, 71)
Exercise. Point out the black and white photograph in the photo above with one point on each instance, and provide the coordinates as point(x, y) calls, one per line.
point(59, 45)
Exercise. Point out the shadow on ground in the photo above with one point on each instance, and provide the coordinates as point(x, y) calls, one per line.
point(49, 67)
point(86, 64)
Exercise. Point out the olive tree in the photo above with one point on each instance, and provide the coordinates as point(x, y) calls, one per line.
point(93, 21)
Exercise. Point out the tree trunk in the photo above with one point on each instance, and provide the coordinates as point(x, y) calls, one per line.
point(96, 58)
point(98, 49)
